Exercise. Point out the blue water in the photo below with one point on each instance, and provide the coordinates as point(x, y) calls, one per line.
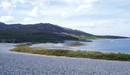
point(111, 45)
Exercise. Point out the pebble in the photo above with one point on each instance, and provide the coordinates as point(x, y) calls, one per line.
point(14, 63)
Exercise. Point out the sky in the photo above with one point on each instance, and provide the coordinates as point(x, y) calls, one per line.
point(98, 17)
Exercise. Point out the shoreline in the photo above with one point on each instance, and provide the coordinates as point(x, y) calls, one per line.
point(74, 48)
point(70, 53)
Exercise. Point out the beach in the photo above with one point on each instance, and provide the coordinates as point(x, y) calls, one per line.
point(14, 63)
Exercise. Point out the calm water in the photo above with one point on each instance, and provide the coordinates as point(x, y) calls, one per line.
point(118, 45)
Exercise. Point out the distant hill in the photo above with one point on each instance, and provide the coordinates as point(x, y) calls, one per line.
point(44, 27)
point(42, 32)
point(2, 24)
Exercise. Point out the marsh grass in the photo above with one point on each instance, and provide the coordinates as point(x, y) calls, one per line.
point(77, 54)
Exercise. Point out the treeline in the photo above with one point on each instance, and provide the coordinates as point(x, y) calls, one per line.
point(9, 41)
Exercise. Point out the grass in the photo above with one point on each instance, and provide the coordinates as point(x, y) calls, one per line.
point(42, 51)
point(70, 53)
point(27, 44)
point(83, 37)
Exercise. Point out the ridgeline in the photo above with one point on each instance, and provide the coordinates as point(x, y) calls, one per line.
point(43, 32)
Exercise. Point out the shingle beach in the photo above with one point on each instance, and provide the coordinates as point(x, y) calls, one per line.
point(14, 63)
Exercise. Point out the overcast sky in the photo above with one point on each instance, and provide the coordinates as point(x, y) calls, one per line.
point(99, 17)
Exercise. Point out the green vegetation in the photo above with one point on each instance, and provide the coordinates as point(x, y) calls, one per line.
point(43, 32)
point(41, 51)
point(81, 37)
point(84, 37)
point(27, 44)
point(10, 37)
point(70, 53)
point(2, 40)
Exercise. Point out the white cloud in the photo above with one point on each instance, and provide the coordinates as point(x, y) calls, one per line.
point(96, 24)
point(84, 5)
point(35, 12)
point(65, 15)
point(7, 5)
point(125, 21)
point(41, 3)
point(84, 8)
point(7, 19)
point(69, 1)
point(92, 1)
point(82, 25)
point(28, 19)
point(79, 1)
point(14, 6)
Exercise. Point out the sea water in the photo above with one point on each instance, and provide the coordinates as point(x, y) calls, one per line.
point(109, 45)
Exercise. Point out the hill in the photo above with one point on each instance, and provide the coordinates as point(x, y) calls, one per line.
point(42, 32)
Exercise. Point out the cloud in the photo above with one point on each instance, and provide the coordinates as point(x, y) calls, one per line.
point(82, 25)
point(96, 24)
point(41, 3)
point(35, 12)
point(125, 21)
point(7, 19)
point(28, 19)
point(65, 15)
point(79, 1)
point(7, 5)
point(69, 1)
point(92, 1)
point(84, 8)
point(84, 5)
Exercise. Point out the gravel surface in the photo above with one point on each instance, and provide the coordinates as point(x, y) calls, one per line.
point(14, 63)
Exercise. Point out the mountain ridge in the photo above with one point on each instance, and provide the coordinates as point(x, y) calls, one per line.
point(44, 31)
point(47, 26)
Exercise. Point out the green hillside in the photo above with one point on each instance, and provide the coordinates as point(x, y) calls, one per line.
point(43, 32)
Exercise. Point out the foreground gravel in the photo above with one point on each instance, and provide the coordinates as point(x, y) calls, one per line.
point(13, 63)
